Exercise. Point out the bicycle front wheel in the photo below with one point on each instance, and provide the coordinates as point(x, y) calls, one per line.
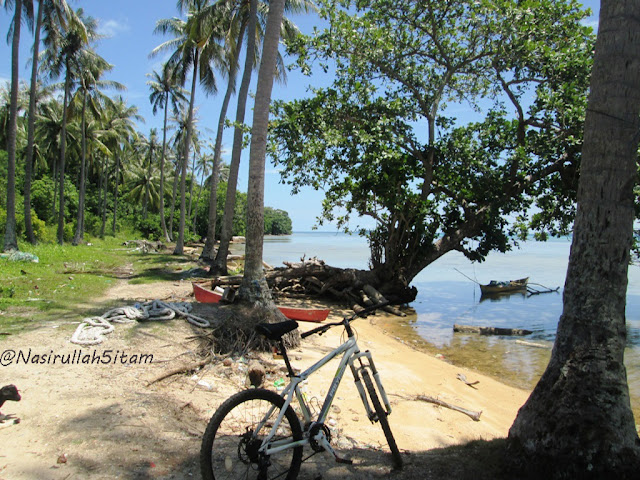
point(231, 442)
point(381, 413)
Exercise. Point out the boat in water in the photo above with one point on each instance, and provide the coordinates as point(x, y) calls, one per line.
point(206, 295)
point(496, 287)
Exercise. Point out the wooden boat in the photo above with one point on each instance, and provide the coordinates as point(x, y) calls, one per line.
point(494, 286)
point(205, 295)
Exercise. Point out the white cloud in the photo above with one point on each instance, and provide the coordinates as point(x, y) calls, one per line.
point(111, 28)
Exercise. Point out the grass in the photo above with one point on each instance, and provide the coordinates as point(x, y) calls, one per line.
point(67, 276)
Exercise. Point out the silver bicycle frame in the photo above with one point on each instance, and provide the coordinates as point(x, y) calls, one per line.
point(351, 354)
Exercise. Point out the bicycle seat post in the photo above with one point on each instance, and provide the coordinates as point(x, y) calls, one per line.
point(283, 351)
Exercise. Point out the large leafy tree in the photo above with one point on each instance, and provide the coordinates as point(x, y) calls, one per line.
point(578, 423)
point(165, 91)
point(381, 144)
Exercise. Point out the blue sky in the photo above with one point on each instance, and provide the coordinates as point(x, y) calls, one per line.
point(128, 26)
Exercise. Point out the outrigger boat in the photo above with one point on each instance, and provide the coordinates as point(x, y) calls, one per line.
point(205, 295)
point(495, 287)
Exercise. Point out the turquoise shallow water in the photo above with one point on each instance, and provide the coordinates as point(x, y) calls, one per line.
point(445, 297)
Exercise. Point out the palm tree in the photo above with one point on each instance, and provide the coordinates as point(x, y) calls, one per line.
point(254, 17)
point(119, 123)
point(164, 90)
point(64, 54)
point(254, 286)
point(10, 235)
point(194, 49)
point(92, 67)
point(54, 14)
point(152, 145)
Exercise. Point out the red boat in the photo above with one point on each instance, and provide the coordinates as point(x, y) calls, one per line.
point(205, 295)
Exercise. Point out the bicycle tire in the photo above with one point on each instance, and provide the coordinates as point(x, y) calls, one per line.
point(229, 445)
point(382, 418)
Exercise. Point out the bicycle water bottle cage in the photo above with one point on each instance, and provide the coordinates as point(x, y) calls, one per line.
point(275, 331)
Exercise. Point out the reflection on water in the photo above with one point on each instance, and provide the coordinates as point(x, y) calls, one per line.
point(446, 297)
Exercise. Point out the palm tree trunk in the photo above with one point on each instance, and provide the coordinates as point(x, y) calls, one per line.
point(193, 178)
point(175, 194)
point(146, 190)
point(195, 210)
point(578, 422)
point(63, 153)
point(10, 234)
point(163, 223)
point(105, 183)
point(79, 234)
point(31, 128)
point(254, 287)
point(207, 251)
point(220, 264)
point(115, 194)
point(183, 178)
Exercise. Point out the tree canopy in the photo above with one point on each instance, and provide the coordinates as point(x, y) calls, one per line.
point(382, 141)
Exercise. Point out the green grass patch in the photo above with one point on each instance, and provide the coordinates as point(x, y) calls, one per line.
point(67, 278)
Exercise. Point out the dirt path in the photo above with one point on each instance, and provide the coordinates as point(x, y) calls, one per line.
point(101, 420)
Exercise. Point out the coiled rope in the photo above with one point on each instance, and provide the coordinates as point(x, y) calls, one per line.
point(92, 329)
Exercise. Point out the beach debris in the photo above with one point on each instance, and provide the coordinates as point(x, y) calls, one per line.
point(256, 374)
point(490, 330)
point(475, 416)
point(531, 344)
point(182, 369)
point(463, 378)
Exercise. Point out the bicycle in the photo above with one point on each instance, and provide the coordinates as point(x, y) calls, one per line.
point(257, 434)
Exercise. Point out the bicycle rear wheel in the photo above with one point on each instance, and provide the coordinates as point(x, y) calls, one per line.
point(381, 413)
point(234, 435)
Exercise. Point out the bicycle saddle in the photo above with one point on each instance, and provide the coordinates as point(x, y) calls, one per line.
point(275, 331)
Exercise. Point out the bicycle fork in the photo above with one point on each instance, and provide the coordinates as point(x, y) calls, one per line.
point(356, 370)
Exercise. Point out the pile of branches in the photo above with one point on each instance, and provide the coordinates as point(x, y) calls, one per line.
point(314, 278)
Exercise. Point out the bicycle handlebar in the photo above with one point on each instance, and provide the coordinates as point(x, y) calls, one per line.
point(323, 328)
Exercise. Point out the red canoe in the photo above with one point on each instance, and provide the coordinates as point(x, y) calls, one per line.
point(204, 295)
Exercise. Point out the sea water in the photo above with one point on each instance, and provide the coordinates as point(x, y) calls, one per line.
point(448, 294)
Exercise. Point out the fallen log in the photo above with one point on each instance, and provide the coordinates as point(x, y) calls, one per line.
point(490, 330)
point(531, 344)
point(379, 298)
point(475, 416)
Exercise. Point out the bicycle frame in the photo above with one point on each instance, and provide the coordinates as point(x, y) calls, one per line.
point(351, 355)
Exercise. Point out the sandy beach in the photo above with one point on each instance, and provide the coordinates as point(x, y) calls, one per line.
point(95, 421)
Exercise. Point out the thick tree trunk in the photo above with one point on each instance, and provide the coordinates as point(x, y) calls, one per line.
point(578, 421)
point(10, 234)
point(236, 152)
point(31, 128)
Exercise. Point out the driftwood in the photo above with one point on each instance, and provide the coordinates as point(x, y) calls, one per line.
point(531, 344)
point(182, 369)
point(490, 330)
point(475, 416)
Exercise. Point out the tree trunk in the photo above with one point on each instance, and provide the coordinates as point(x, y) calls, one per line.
point(31, 128)
point(172, 210)
point(79, 233)
point(145, 203)
point(193, 180)
point(10, 234)
point(236, 153)
point(254, 286)
point(163, 223)
point(105, 182)
point(115, 193)
point(183, 177)
point(578, 422)
point(63, 153)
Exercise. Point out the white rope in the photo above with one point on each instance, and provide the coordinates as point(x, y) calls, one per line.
point(92, 330)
